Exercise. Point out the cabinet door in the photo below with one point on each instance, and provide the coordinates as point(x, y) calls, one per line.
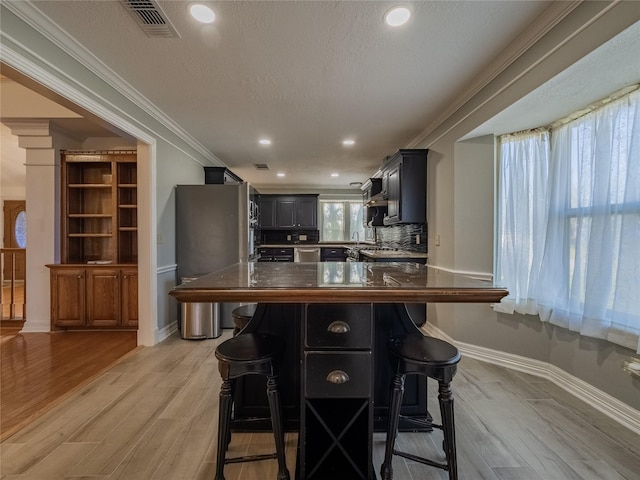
point(129, 298)
point(67, 297)
point(307, 213)
point(103, 297)
point(393, 184)
point(286, 212)
point(267, 213)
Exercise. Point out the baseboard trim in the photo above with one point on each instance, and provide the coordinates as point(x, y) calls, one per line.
point(166, 332)
point(603, 402)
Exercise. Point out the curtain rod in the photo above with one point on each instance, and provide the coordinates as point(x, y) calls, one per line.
point(594, 106)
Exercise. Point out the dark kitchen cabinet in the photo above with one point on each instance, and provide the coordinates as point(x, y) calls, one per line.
point(220, 175)
point(267, 217)
point(405, 178)
point(307, 212)
point(333, 254)
point(289, 212)
point(286, 213)
point(275, 254)
point(336, 411)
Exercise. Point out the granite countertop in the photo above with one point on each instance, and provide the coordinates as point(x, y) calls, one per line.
point(318, 244)
point(387, 254)
point(336, 282)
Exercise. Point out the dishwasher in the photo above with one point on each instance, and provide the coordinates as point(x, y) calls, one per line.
point(306, 254)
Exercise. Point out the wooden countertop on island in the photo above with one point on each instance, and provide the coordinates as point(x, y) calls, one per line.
point(336, 282)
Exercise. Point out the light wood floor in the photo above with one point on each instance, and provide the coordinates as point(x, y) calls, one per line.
point(154, 416)
point(38, 370)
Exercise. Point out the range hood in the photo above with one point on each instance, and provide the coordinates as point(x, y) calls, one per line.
point(374, 194)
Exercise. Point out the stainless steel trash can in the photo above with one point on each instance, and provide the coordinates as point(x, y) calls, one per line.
point(199, 320)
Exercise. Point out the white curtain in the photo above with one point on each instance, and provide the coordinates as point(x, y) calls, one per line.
point(590, 272)
point(569, 223)
point(524, 172)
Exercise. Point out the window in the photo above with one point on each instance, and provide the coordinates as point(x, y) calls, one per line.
point(569, 223)
point(341, 220)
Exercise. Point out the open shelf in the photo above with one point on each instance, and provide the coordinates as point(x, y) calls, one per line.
point(99, 206)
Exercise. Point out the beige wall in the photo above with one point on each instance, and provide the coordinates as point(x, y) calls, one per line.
point(461, 209)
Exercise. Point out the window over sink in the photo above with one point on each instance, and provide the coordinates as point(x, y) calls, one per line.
point(341, 220)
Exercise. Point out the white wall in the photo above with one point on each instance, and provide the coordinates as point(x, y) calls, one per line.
point(12, 169)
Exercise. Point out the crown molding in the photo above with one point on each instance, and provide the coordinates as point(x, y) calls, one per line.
point(529, 37)
point(32, 16)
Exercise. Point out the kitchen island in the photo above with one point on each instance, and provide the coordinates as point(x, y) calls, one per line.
point(335, 318)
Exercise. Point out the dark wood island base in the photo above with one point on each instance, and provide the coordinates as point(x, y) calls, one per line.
point(334, 381)
point(336, 319)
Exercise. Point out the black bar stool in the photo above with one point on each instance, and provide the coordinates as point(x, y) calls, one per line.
point(434, 358)
point(241, 316)
point(247, 354)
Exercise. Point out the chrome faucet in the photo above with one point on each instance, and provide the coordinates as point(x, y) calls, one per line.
point(356, 236)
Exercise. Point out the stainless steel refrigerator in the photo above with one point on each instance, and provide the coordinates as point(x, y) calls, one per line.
point(215, 227)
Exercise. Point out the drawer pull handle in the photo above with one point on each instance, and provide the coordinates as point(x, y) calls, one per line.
point(338, 327)
point(337, 377)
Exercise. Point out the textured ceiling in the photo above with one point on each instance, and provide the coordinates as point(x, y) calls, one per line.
point(305, 74)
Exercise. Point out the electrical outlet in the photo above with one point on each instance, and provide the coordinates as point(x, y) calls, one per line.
point(418, 239)
point(437, 240)
point(159, 239)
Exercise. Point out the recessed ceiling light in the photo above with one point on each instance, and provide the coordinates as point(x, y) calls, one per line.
point(397, 16)
point(265, 141)
point(335, 174)
point(348, 142)
point(280, 174)
point(202, 13)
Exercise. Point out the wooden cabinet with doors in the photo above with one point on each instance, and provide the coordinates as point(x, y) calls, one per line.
point(94, 296)
point(68, 296)
point(96, 285)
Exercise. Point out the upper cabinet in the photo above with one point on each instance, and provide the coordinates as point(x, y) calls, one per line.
point(99, 207)
point(289, 212)
point(218, 175)
point(404, 179)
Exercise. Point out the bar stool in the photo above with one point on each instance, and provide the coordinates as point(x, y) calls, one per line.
point(434, 358)
point(248, 354)
point(241, 316)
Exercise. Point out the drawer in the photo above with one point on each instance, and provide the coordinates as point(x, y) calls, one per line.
point(333, 253)
point(337, 375)
point(339, 326)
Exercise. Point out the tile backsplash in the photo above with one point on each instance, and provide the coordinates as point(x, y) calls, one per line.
point(403, 237)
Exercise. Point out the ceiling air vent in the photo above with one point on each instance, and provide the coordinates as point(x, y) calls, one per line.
point(261, 166)
point(150, 17)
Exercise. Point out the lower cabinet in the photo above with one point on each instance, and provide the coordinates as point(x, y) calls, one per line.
point(94, 296)
point(275, 254)
point(336, 424)
point(333, 254)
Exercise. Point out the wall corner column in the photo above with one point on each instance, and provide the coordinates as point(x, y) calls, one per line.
point(42, 144)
